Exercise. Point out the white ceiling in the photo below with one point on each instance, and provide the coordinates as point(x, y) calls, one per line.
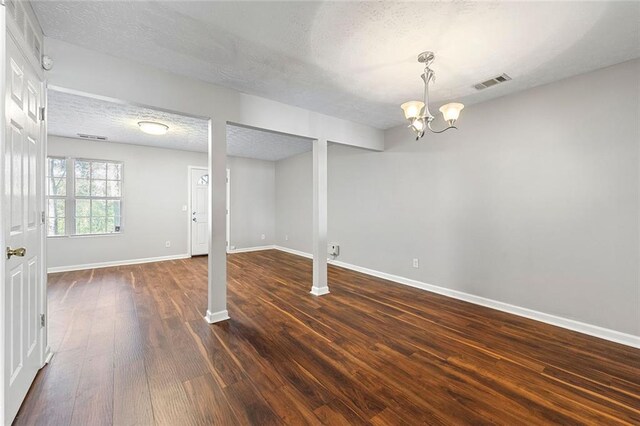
point(356, 60)
point(263, 145)
point(70, 114)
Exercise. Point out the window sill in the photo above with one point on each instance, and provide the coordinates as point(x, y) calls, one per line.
point(110, 234)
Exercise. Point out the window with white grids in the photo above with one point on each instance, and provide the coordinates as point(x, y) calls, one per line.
point(84, 196)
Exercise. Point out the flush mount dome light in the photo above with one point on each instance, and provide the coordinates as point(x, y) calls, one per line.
point(153, 128)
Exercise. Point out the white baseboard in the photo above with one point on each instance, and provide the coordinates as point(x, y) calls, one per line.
point(248, 249)
point(115, 263)
point(213, 317)
point(581, 327)
point(292, 251)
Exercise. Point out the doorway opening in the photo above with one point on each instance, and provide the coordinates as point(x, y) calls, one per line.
point(116, 196)
point(265, 170)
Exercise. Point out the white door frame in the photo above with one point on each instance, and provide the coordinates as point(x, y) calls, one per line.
point(3, 244)
point(189, 192)
point(47, 353)
point(228, 210)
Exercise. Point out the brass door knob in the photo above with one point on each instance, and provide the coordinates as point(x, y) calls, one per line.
point(21, 251)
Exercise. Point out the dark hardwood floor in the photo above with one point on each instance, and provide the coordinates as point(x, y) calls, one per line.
point(131, 348)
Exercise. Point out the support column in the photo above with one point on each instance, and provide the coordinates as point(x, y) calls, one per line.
point(217, 303)
point(320, 285)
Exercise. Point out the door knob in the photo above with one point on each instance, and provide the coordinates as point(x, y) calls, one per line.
point(21, 251)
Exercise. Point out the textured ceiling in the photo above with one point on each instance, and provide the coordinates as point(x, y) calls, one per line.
point(263, 145)
point(70, 114)
point(356, 60)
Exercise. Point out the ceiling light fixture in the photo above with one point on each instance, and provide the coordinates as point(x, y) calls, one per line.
point(417, 112)
point(153, 128)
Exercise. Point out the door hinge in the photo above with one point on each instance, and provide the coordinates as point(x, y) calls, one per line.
point(42, 320)
point(42, 111)
point(43, 217)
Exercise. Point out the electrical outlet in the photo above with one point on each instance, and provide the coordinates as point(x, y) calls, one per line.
point(286, 238)
point(167, 244)
point(262, 237)
point(416, 263)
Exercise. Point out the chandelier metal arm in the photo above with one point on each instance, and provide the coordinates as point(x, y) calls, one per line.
point(440, 131)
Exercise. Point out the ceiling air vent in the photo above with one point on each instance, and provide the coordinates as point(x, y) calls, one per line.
point(492, 82)
point(92, 137)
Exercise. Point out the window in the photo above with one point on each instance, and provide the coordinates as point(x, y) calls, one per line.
point(84, 196)
point(204, 180)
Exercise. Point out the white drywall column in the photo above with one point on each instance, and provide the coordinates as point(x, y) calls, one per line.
point(320, 285)
point(217, 304)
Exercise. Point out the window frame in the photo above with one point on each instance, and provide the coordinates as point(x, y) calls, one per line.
point(71, 197)
point(48, 177)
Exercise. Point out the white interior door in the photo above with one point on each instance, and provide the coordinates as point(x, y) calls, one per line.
point(199, 211)
point(22, 228)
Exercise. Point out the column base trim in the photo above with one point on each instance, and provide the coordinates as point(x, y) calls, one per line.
point(319, 291)
point(214, 317)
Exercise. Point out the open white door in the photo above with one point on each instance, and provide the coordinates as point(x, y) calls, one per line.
point(22, 293)
point(199, 180)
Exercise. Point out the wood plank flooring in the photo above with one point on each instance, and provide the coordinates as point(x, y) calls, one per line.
point(131, 348)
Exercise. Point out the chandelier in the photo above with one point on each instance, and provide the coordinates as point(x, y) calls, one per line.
point(417, 112)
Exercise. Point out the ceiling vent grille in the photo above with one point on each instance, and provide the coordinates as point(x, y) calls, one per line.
point(92, 137)
point(492, 82)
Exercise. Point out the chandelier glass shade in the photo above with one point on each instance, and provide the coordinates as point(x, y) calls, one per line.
point(417, 112)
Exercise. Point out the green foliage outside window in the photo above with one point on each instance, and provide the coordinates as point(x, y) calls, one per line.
point(89, 202)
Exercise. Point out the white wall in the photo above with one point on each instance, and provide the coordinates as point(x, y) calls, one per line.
point(533, 202)
point(155, 189)
point(294, 202)
point(252, 190)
